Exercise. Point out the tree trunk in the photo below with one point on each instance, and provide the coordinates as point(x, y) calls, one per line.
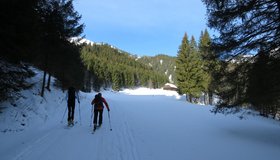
point(190, 98)
point(86, 81)
point(204, 98)
point(210, 94)
point(49, 82)
point(45, 74)
point(43, 85)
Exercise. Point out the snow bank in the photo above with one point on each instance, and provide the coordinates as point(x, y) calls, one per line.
point(31, 109)
point(153, 92)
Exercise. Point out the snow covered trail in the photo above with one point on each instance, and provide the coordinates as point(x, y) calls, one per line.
point(166, 128)
point(145, 127)
point(57, 141)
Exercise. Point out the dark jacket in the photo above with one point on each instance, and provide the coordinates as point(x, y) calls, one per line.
point(71, 96)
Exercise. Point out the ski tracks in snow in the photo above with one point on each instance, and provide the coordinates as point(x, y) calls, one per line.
point(123, 144)
point(56, 142)
point(38, 146)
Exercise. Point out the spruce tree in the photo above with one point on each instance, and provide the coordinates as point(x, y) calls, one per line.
point(59, 22)
point(191, 77)
point(181, 62)
point(245, 27)
point(198, 78)
point(263, 86)
point(19, 29)
point(211, 64)
point(116, 81)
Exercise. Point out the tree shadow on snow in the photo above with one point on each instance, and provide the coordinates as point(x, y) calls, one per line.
point(258, 135)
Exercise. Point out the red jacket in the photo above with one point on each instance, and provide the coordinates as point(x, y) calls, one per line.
point(100, 107)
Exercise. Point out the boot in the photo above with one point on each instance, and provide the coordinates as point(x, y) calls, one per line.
point(94, 127)
point(99, 125)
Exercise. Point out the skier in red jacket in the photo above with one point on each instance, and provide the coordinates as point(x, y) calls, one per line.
point(98, 109)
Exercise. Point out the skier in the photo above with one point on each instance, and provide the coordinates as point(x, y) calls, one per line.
point(72, 95)
point(98, 109)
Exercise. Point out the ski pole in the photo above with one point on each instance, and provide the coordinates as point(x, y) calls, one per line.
point(91, 116)
point(80, 115)
point(63, 114)
point(109, 121)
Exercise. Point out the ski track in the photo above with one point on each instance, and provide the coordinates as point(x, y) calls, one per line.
point(28, 150)
point(123, 142)
point(40, 145)
point(104, 144)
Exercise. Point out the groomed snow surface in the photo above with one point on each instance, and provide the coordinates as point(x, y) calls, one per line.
point(146, 125)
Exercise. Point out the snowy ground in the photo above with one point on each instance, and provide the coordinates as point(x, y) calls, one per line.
point(146, 125)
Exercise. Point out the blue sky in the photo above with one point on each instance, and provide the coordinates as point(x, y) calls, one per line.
point(142, 27)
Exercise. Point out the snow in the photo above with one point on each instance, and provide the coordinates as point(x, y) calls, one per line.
point(170, 78)
point(171, 85)
point(80, 40)
point(147, 124)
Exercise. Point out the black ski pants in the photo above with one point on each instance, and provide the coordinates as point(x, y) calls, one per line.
point(98, 113)
point(71, 110)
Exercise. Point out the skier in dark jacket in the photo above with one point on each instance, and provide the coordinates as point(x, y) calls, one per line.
point(98, 109)
point(72, 95)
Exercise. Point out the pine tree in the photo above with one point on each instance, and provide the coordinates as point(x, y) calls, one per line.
point(37, 32)
point(19, 29)
point(59, 22)
point(245, 27)
point(263, 87)
point(211, 64)
point(116, 81)
point(181, 62)
point(18, 36)
point(191, 77)
point(198, 78)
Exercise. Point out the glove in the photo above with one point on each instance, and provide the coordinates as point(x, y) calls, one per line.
point(108, 110)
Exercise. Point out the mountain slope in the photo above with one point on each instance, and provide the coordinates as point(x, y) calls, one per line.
point(110, 66)
point(163, 64)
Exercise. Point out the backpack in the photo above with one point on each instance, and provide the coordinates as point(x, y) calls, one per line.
point(98, 102)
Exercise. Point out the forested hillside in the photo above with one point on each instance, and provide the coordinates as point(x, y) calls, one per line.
point(107, 66)
point(36, 33)
point(164, 64)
